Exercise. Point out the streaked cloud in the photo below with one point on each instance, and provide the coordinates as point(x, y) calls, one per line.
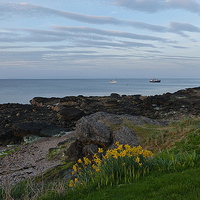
point(107, 33)
point(122, 34)
point(31, 10)
point(152, 6)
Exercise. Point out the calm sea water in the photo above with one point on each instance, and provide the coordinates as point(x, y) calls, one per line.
point(23, 90)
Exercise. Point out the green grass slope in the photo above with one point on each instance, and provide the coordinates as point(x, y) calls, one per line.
point(173, 173)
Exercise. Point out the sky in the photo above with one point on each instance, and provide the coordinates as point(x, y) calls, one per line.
point(68, 39)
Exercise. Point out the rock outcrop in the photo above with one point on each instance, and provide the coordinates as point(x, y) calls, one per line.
point(65, 112)
point(18, 120)
point(103, 130)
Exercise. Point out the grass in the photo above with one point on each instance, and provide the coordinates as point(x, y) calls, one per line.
point(158, 138)
point(157, 186)
point(173, 172)
point(171, 186)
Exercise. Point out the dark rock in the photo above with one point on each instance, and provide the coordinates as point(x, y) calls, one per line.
point(31, 128)
point(111, 103)
point(124, 135)
point(114, 95)
point(74, 152)
point(91, 130)
point(42, 101)
point(70, 113)
point(90, 150)
point(64, 112)
point(103, 130)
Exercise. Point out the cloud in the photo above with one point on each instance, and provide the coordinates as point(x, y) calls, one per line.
point(88, 30)
point(152, 6)
point(148, 5)
point(79, 37)
point(173, 27)
point(29, 35)
point(176, 26)
point(36, 35)
point(26, 9)
point(180, 28)
point(151, 27)
point(179, 47)
point(119, 44)
point(189, 5)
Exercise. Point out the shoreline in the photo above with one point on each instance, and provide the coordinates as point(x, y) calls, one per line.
point(48, 116)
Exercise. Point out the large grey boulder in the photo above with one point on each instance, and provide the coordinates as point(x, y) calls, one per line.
point(103, 130)
point(91, 130)
point(124, 135)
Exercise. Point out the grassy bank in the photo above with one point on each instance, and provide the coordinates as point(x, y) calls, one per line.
point(169, 171)
point(170, 186)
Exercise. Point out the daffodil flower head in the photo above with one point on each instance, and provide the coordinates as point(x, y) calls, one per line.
point(86, 161)
point(100, 150)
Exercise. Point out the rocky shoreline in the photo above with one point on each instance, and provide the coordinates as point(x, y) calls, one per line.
point(50, 116)
point(95, 122)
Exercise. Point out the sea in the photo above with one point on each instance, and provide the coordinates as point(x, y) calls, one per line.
point(23, 90)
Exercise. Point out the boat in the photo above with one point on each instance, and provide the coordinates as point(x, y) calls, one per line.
point(113, 81)
point(154, 80)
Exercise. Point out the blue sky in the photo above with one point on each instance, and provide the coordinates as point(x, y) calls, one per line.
point(100, 39)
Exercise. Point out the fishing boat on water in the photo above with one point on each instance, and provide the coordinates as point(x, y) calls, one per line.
point(154, 80)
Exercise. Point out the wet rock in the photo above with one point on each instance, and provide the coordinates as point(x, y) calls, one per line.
point(31, 128)
point(70, 113)
point(114, 95)
point(66, 111)
point(42, 101)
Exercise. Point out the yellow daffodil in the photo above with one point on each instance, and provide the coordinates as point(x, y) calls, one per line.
point(75, 168)
point(100, 150)
point(86, 161)
point(137, 160)
point(120, 147)
point(71, 183)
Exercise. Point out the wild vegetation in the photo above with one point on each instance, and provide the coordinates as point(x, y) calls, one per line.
point(166, 165)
